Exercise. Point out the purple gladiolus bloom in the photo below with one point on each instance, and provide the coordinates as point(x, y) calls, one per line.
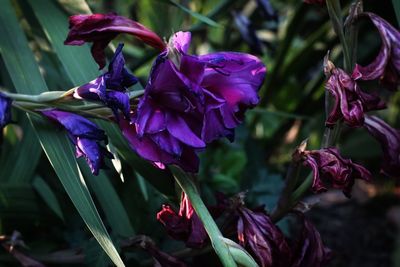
point(185, 225)
point(310, 250)
point(350, 101)
point(192, 100)
point(5, 111)
point(117, 79)
point(85, 135)
point(102, 28)
point(386, 65)
point(329, 166)
point(389, 138)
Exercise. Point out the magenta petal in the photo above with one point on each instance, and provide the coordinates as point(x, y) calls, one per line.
point(181, 41)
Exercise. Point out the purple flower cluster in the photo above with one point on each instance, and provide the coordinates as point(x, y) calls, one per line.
point(189, 100)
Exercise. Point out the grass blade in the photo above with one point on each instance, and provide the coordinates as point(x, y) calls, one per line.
point(48, 196)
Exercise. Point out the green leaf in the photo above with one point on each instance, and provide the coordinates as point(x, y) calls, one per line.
point(25, 75)
point(194, 14)
point(20, 163)
point(48, 196)
point(396, 5)
point(109, 201)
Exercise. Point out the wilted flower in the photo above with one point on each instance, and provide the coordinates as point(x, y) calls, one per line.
point(85, 135)
point(259, 234)
point(117, 80)
point(192, 100)
point(350, 101)
point(310, 250)
point(329, 166)
point(102, 28)
point(386, 65)
point(185, 225)
point(5, 111)
point(389, 138)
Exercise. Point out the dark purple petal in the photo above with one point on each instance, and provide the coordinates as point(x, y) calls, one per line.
point(386, 66)
point(185, 226)
point(85, 135)
point(100, 29)
point(264, 240)
point(389, 138)
point(118, 101)
point(150, 149)
point(94, 90)
point(5, 111)
point(310, 250)
point(350, 102)
point(267, 9)
point(118, 78)
point(330, 167)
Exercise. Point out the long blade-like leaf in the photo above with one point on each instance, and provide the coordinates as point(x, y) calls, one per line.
point(25, 75)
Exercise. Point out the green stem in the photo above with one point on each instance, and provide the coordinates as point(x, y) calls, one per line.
point(211, 227)
point(334, 11)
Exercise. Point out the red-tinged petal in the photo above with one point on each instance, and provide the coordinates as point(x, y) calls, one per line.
point(102, 28)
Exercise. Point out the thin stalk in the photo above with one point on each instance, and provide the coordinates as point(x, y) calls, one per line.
point(211, 227)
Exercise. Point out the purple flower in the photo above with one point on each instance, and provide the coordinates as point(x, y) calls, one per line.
point(185, 225)
point(85, 135)
point(5, 111)
point(263, 239)
point(102, 28)
point(389, 138)
point(310, 251)
point(350, 101)
point(386, 65)
point(192, 100)
point(117, 79)
point(329, 166)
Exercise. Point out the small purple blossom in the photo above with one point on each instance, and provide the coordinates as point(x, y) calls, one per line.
point(5, 111)
point(386, 65)
point(329, 166)
point(185, 225)
point(309, 250)
point(110, 87)
point(389, 138)
point(85, 135)
point(192, 100)
point(350, 102)
point(100, 29)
